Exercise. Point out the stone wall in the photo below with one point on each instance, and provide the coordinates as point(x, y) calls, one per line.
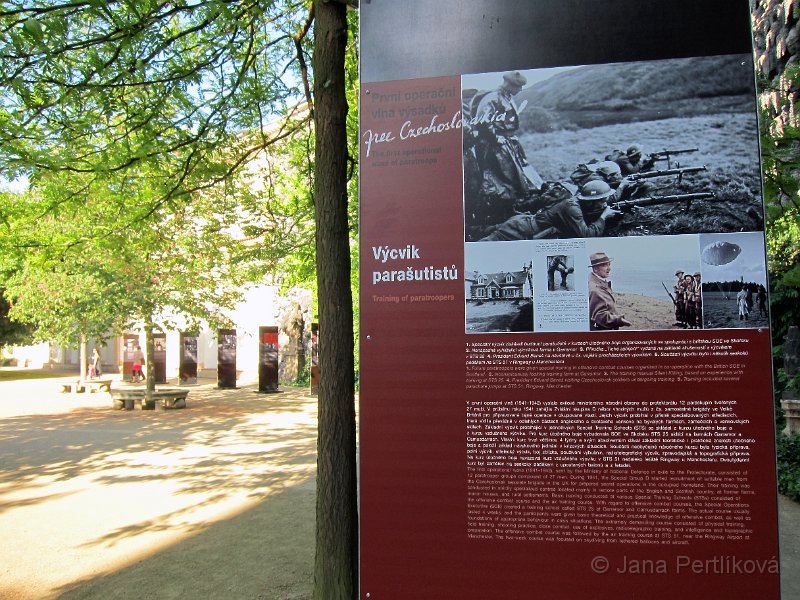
point(776, 39)
point(776, 34)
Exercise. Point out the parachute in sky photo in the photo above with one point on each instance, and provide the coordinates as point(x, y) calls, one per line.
point(720, 253)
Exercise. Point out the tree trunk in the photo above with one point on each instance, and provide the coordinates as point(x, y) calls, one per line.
point(301, 355)
point(83, 363)
point(336, 562)
point(149, 354)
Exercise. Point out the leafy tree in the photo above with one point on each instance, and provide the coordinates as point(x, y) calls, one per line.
point(780, 144)
point(12, 333)
point(66, 291)
point(178, 97)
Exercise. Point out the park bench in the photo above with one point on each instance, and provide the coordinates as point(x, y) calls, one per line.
point(90, 385)
point(163, 398)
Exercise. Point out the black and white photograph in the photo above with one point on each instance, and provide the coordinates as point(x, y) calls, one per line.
point(734, 281)
point(644, 283)
point(561, 304)
point(664, 147)
point(560, 273)
point(498, 287)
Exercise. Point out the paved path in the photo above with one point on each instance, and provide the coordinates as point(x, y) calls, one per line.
point(789, 522)
point(215, 501)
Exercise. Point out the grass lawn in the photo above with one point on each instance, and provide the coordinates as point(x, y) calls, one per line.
point(19, 374)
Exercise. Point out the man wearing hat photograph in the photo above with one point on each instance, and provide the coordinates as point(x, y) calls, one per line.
point(506, 175)
point(602, 304)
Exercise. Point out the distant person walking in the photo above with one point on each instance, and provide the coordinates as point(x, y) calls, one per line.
point(95, 369)
point(138, 361)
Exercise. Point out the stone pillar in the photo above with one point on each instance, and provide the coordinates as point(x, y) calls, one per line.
point(790, 403)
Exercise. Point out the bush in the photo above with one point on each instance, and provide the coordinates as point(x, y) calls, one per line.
point(788, 449)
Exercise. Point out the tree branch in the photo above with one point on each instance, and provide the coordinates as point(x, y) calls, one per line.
point(298, 44)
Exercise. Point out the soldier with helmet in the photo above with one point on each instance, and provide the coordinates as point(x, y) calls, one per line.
point(680, 300)
point(610, 172)
point(504, 175)
point(584, 215)
point(632, 161)
point(698, 301)
point(691, 294)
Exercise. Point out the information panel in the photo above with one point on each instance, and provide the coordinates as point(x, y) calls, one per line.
point(188, 362)
point(226, 358)
point(565, 384)
point(129, 343)
point(268, 359)
point(160, 357)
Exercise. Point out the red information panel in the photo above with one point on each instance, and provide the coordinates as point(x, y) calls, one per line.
point(565, 347)
point(268, 338)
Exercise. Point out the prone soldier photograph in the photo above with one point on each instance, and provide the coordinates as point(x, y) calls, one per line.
point(582, 215)
point(679, 159)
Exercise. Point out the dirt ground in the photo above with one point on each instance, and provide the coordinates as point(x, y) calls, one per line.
point(212, 501)
point(645, 312)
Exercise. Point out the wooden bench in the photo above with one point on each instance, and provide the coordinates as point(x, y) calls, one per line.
point(164, 399)
point(91, 385)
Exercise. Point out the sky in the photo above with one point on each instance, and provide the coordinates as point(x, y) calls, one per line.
point(490, 81)
point(16, 186)
point(750, 264)
point(494, 257)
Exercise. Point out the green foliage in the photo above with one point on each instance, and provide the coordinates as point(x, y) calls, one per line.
point(136, 122)
point(303, 377)
point(788, 454)
point(89, 261)
point(53, 279)
point(171, 81)
point(780, 154)
point(12, 333)
point(780, 146)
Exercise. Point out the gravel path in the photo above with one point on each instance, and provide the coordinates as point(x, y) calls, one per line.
point(212, 501)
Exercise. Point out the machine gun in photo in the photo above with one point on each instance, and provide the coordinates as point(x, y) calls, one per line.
point(667, 155)
point(680, 172)
point(630, 205)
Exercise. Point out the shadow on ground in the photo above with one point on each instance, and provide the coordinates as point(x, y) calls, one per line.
point(212, 501)
point(266, 553)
